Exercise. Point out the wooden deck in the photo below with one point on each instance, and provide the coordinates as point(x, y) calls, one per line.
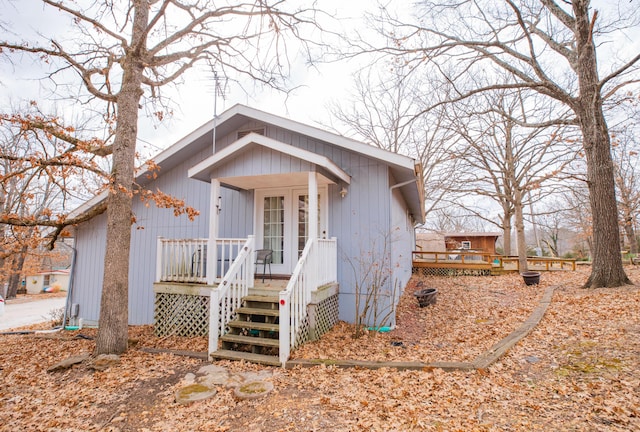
point(455, 262)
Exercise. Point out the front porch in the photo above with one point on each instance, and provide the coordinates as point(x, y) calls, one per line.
point(302, 307)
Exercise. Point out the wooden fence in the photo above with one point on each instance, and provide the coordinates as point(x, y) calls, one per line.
point(462, 262)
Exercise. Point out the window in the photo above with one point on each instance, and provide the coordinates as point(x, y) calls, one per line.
point(466, 244)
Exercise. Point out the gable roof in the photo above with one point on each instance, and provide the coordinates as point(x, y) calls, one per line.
point(226, 124)
point(201, 170)
point(402, 168)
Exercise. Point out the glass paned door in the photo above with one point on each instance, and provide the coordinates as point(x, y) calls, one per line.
point(282, 224)
point(273, 227)
point(303, 221)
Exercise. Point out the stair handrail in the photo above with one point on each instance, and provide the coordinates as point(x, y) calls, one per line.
point(227, 296)
point(295, 298)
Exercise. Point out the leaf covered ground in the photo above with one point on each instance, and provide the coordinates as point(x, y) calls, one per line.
point(576, 371)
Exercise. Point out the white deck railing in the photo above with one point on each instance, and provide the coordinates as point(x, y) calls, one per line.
point(316, 267)
point(185, 260)
point(227, 296)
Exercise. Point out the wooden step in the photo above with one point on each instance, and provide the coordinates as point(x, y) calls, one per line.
point(261, 298)
point(266, 299)
point(251, 325)
point(258, 311)
point(264, 292)
point(261, 302)
point(250, 357)
point(251, 340)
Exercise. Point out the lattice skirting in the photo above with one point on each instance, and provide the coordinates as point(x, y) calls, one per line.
point(428, 271)
point(181, 315)
point(304, 333)
point(188, 315)
point(322, 317)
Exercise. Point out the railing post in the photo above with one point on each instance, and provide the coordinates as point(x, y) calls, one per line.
point(334, 258)
point(252, 262)
point(212, 260)
point(159, 253)
point(285, 328)
point(312, 278)
point(214, 318)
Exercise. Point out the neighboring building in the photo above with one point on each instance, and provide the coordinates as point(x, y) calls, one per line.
point(48, 270)
point(472, 241)
point(263, 173)
point(45, 281)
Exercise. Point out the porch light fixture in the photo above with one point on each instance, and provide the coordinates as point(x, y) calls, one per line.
point(343, 192)
point(219, 205)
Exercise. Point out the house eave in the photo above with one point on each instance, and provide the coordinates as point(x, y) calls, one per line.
point(202, 171)
point(388, 157)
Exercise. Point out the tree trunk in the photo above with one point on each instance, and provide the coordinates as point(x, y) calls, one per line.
point(630, 231)
point(520, 238)
point(112, 335)
point(631, 236)
point(16, 276)
point(506, 236)
point(13, 285)
point(606, 269)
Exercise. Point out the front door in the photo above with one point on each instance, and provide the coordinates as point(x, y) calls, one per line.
point(282, 224)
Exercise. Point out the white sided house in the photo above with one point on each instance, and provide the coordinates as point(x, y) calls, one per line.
point(334, 217)
point(45, 281)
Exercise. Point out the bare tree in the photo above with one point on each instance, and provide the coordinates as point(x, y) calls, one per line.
point(505, 159)
point(577, 215)
point(553, 227)
point(627, 176)
point(381, 111)
point(454, 219)
point(549, 47)
point(36, 176)
point(123, 55)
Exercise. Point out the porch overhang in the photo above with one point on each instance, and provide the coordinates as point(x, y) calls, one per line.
point(203, 170)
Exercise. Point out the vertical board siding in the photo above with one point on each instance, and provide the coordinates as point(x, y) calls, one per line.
point(261, 161)
point(402, 242)
point(90, 246)
point(362, 221)
point(236, 217)
point(151, 222)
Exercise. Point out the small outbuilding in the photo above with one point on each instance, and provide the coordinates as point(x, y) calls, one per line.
point(472, 241)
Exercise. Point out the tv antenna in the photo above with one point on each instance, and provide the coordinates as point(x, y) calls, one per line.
point(218, 90)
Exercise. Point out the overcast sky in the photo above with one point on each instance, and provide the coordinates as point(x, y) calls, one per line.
point(317, 86)
point(194, 100)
